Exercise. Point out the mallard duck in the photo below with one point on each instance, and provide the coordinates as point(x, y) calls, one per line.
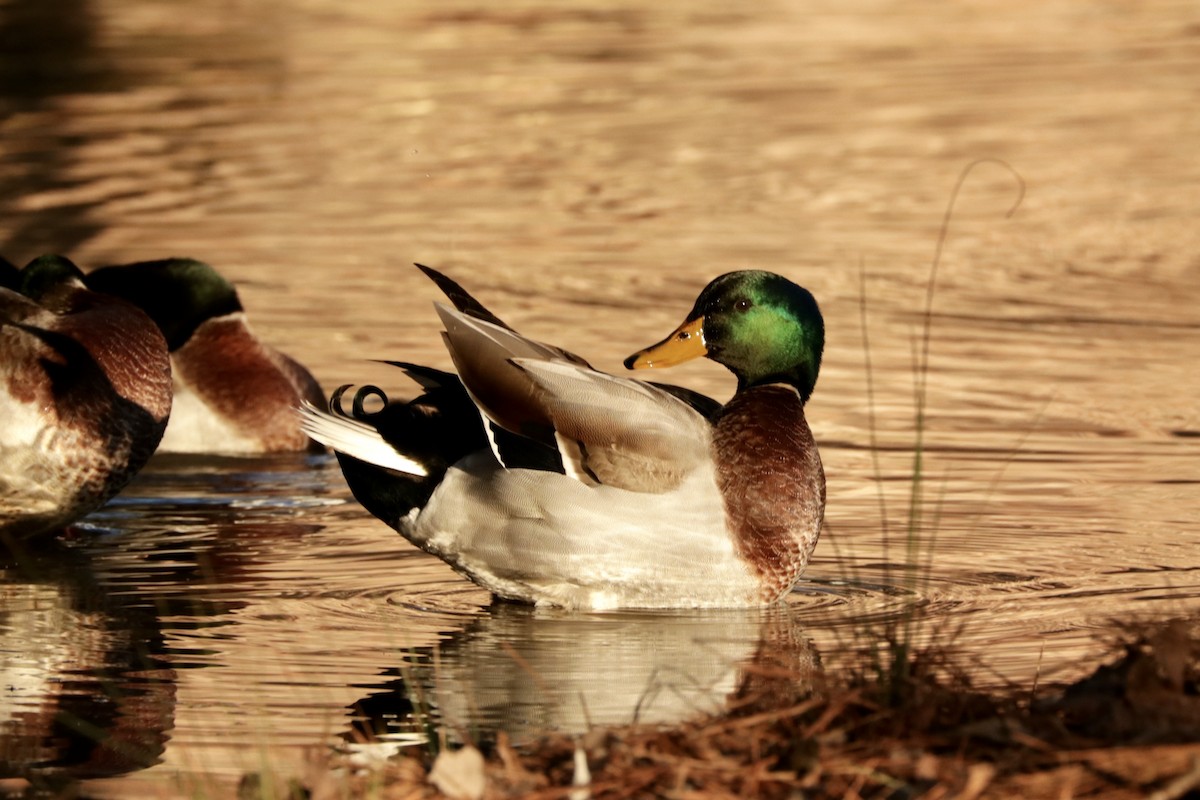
point(233, 392)
point(85, 392)
point(549, 482)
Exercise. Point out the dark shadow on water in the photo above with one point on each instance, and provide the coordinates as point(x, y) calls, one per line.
point(69, 75)
point(48, 48)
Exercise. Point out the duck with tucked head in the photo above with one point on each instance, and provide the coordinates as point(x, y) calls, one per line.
point(234, 393)
point(549, 482)
point(85, 392)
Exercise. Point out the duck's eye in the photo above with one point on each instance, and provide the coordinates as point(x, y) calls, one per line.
point(742, 305)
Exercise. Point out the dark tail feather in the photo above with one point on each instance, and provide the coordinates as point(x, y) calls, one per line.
point(461, 298)
point(426, 377)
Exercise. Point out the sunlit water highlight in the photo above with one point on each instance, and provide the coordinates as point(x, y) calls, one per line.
point(585, 171)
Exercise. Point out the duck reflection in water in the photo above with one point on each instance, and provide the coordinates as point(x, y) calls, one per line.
point(87, 690)
point(527, 671)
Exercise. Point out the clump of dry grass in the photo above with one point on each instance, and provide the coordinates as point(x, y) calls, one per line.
point(1131, 729)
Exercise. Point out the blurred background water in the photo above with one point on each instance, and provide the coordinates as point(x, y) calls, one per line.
point(584, 170)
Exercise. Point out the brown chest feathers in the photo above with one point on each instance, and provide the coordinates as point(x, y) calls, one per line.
point(771, 481)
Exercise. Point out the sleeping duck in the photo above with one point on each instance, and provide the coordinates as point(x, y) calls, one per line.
point(549, 482)
point(233, 393)
point(85, 391)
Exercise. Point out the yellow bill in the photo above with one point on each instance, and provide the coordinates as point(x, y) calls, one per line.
point(684, 344)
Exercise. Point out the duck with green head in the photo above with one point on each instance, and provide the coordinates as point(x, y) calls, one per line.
point(234, 393)
point(85, 392)
point(547, 481)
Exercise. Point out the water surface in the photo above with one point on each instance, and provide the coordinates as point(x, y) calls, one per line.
point(585, 171)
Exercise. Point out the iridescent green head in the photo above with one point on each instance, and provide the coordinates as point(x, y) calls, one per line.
point(46, 273)
point(179, 294)
point(761, 326)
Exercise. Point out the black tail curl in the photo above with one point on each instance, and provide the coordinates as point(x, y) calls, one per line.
point(358, 410)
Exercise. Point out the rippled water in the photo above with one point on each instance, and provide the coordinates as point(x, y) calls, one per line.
point(585, 170)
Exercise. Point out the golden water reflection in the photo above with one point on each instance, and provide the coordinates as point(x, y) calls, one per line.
point(584, 170)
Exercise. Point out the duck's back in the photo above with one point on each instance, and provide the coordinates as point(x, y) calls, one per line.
point(85, 392)
point(235, 394)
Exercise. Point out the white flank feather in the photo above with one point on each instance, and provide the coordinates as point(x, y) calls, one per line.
point(355, 439)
